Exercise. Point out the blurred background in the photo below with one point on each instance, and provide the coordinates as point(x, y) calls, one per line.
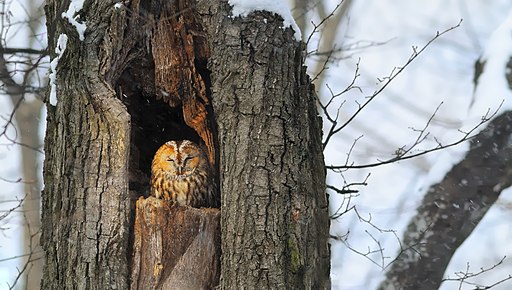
point(379, 37)
point(368, 38)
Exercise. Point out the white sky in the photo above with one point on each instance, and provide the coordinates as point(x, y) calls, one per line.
point(442, 74)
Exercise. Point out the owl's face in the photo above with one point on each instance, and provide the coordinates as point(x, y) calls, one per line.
point(180, 172)
point(178, 159)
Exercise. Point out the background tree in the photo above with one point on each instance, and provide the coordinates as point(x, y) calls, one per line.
point(453, 207)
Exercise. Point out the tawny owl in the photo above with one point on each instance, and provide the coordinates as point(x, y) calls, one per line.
point(180, 172)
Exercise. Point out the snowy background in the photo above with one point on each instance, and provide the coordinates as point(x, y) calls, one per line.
point(442, 74)
point(15, 35)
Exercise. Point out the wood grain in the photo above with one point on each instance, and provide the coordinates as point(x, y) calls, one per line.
point(175, 247)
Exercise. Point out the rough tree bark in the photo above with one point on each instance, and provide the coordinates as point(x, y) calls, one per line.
point(85, 202)
point(274, 208)
point(110, 120)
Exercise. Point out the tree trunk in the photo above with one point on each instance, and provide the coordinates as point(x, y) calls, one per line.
point(114, 111)
point(27, 118)
point(85, 202)
point(274, 209)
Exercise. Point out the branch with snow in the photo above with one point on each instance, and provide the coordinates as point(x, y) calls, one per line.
point(452, 208)
point(455, 205)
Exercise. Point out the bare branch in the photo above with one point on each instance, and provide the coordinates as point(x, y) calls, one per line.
point(463, 277)
point(382, 261)
point(9, 211)
point(328, 116)
point(387, 80)
point(25, 50)
point(401, 153)
point(316, 27)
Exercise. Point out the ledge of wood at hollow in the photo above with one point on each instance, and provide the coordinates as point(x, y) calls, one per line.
point(175, 247)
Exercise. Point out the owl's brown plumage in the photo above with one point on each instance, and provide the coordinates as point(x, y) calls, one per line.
point(180, 172)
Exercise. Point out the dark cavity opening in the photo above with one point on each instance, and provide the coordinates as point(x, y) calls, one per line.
point(153, 121)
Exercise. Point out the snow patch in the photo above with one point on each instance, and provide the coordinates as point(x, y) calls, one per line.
point(74, 7)
point(242, 8)
point(492, 88)
point(59, 50)
point(118, 5)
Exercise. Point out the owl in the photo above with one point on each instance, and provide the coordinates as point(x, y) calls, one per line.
point(180, 172)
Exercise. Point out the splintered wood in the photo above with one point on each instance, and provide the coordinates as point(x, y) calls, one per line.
point(175, 247)
point(181, 52)
point(178, 247)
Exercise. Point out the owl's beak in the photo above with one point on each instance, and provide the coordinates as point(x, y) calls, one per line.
point(180, 170)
